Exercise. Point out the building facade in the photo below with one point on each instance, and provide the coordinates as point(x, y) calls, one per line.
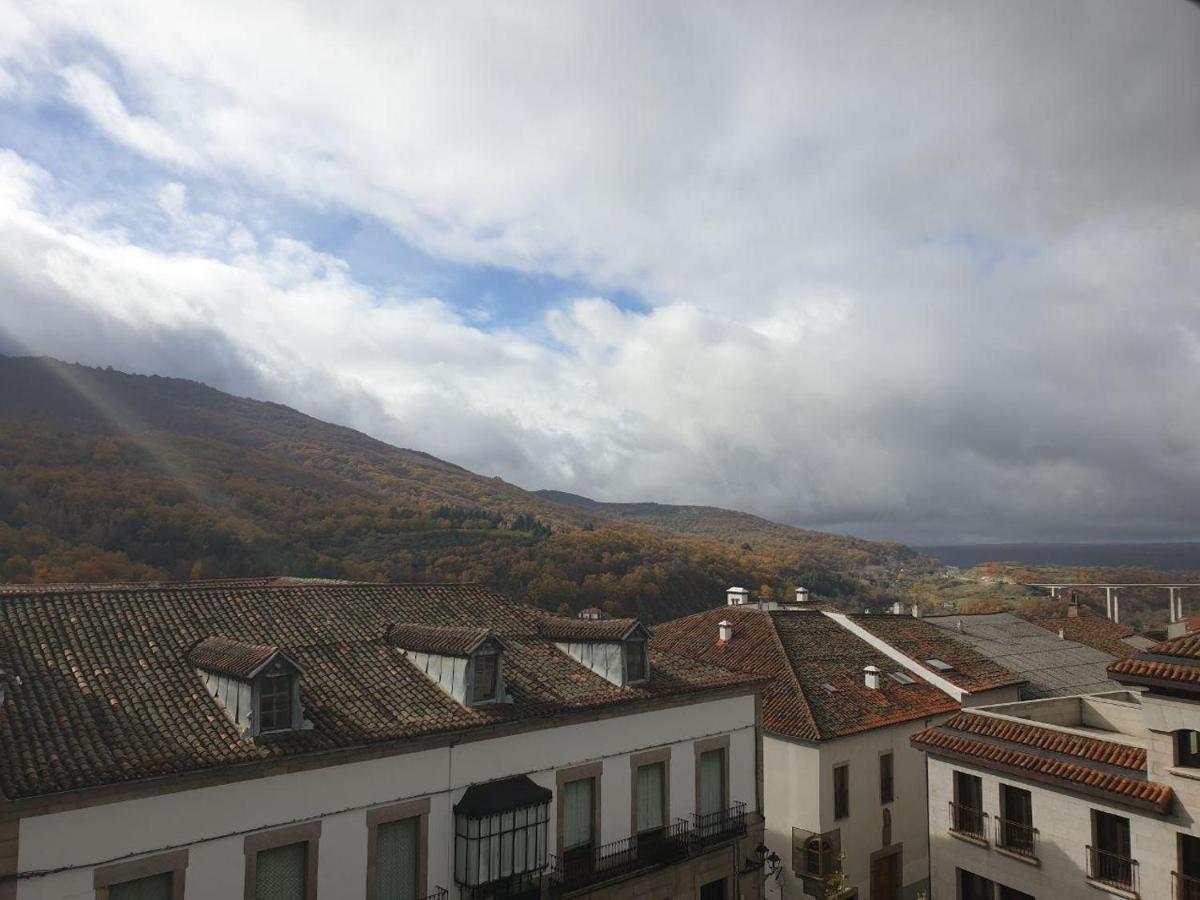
point(380, 741)
point(1073, 796)
point(846, 813)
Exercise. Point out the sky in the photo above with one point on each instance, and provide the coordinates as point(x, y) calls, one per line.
point(926, 271)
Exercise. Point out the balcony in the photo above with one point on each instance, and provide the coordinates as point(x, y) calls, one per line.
point(719, 826)
point(438, 894)
point(607, 862)
point(968, 822)
point(1018, 838)
point(526, 886)
point(1112, 870)
point(820, 859)
point(1185, 887)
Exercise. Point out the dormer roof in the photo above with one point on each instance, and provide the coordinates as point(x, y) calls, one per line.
point(237, 659)
point(584, 631)
point(442, 640)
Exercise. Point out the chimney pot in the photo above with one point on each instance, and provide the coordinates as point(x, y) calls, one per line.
point(871, 677)
point(916, 611)
point(1062, 634)
point(801, 595)
point(897, 608)
point(725, 631)
point(737, 596)
point(959, 625)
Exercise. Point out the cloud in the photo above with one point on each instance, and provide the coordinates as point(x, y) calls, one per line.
point(919, 272)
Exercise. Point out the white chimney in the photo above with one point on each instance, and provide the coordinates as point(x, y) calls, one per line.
point(725, 631)
point(871, 674)
point(1062, 634)
point(897, 608)
point(801, 595)
point(916, 610)
point(737, 596)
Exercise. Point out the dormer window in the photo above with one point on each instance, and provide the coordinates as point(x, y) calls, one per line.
point(635, 661)
point(615, 649)
point(257, 685)
point(483, 681)
point(275, 703)
point(466, 663)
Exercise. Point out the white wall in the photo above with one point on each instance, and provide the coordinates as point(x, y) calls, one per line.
point(799, 788)
point(202, 819)
point(1063, 820)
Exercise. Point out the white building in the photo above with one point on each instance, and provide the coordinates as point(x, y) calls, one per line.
point(846, 791)
point(293, 740)
point(1073, 796)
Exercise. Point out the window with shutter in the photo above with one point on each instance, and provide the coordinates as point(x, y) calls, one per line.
point(398, 859)
point(281, 873)
point(651, 797)
point(484, 685)
point(712, 782)
point(577, 814)
point(156, 887)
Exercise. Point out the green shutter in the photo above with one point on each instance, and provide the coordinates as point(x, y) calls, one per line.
point(282, 873)
point(156, 887)
point(397, 845)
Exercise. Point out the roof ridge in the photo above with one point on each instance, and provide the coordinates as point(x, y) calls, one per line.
point(805, 703)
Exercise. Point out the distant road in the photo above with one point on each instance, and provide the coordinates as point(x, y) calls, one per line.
point(1175, 556)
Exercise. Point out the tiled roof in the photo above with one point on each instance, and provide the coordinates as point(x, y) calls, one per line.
point(447, 640)
point(1092, 630)
point(1067, 774)
point(920, 641)
point(1049, 755)
point(99, 689)
point(1052, 668)
point(229, 657)
point(1176, 661)
point(1031, 735)
point(559, 628)
point(817, 691)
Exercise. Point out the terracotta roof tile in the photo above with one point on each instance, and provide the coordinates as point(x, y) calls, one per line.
point(446, 640)
point(99, 688)
point(1037, 751)
point(921, 641)
point(559, 628)
point(228, 657)
point(816, 667)
point(1176, 660)
point(1093, 631)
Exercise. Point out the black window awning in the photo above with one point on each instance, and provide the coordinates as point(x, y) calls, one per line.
point(504, 795)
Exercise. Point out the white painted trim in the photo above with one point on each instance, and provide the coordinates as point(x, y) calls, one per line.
point(891, 652)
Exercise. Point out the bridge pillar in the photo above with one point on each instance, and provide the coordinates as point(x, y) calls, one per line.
point(1116, 608)
point(1108, 602)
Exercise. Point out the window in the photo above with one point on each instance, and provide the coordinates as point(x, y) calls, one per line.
point(1109, 857)
point(275, 703)
point(282, 864)
point(650, 787)
point(901, 677)
point(841, 791)
point(940, 664)
point(500, 833)
point(1007, 893)
point(712, 782)
point(1016, 831)
point(1187, 749)
point(635, 661)
point(1188, 878)
point(397, 837)
point(398, 861)
point(714, 890)
point(483, 684)
point(156, 887)
point(159, 877)
point(887, 787)
point(973, 887)
point(579, 828)
point(820, 856)
point(966, 812)
point(282, 872)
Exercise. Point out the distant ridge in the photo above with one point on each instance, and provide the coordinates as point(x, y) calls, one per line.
point(106, 477)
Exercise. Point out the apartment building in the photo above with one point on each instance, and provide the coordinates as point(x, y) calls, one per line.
point(286, 740)
point(846, 791)
point(1073, 796)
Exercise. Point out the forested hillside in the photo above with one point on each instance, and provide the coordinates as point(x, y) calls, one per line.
point(108, 476)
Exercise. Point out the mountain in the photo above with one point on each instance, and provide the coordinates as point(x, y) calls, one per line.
point(109, 476)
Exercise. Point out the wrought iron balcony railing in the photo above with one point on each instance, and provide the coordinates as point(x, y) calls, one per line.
point(969, 821)
point(1185, 887)
point(1017, 837)
point(722, 825)
point(661, 847)
point(1112, 869)
point(439, 893)
point(526, 886)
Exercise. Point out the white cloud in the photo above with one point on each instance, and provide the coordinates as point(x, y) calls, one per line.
point(919, 270)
